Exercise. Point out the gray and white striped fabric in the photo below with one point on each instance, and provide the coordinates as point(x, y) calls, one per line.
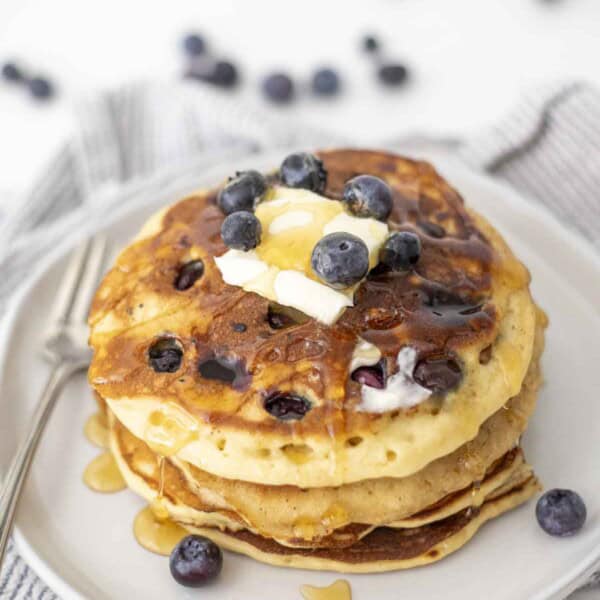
point(549, 148)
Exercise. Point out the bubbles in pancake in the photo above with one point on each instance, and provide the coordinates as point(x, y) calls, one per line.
point(165, 355)
point(188, 275)
point(225, 369)
point(287, 406)
point(438, 374)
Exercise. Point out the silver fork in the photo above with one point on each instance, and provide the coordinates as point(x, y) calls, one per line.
point(65, 346)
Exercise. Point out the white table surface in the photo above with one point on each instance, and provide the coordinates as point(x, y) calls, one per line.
point(471, 58)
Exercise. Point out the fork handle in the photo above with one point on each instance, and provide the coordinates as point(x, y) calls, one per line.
point(19, 467)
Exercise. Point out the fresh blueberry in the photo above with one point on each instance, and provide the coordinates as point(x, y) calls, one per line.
point(368, 196)
point(370, 44)
point(225, 369)
point(278, 87)
point(392, 74)
point(224, 74)
point(11, 72)
point(287, 406)
point(303, 170)
point(195, 561)
point(372, 376)
point(220, 73)
point(325, 82)
point(438, 374)
point(561, 512)
point(194, 45)
point(242, 192)
point(165, 355)
point(401, 251)
point(188, 274)
point(241, 231)
point(40, 88)
point(340, 259)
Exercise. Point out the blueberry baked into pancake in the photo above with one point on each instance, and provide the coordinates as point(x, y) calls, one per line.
point(329, 366)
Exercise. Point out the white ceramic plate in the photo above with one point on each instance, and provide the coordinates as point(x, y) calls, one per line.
point(81, 542)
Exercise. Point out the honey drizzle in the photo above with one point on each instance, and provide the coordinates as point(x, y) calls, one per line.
point(96, 430)
point(338, 590)
point(156, 534)
point(103, 475)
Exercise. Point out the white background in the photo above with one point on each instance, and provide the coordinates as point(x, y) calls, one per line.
point(470, 58)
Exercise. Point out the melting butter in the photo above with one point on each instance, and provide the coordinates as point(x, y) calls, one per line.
point(279, 269)
point(339, 590)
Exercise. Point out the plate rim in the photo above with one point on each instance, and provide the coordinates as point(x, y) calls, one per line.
point(564, 583)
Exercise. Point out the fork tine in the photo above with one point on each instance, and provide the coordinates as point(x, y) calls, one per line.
point(69, 284)
point(92, 269)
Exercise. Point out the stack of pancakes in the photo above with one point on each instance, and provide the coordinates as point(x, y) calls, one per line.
point(338, 488)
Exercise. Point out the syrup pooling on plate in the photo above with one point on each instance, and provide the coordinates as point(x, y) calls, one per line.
point(96, 430)
point(103, 475)
point(338, 590)
point(155, 534)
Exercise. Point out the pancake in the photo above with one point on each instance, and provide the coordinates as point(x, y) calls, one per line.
point(282, 512)
point(467, 302)
point(384, 549)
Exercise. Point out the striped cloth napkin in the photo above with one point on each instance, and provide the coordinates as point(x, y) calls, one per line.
point(548, 147)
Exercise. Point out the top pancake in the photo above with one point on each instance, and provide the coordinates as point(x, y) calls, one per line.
point(468, 300)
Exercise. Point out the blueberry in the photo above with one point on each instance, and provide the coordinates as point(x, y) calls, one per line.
point(370, 44)
point(188, 274)
point(241, 231)
point(561, 512)
point(194, 45)
point(340, 259)
point(224, 74)
point(368, 196)
point(278, 87)
point(165, 355)
point(438, 374)
point(287, 406)
point(40, 88)
point(401, 251)
point(392, 74)
point(195, 561)
point(224, 369)
point(11, 72)
point(325, 82)
point(220, 73)
point(242, 192)
point(303, 170)
point(372, 376)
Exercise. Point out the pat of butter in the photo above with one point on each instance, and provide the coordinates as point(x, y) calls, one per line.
point(293, 221)
point(365, 355)
point(401, 390)
point(290, 220)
